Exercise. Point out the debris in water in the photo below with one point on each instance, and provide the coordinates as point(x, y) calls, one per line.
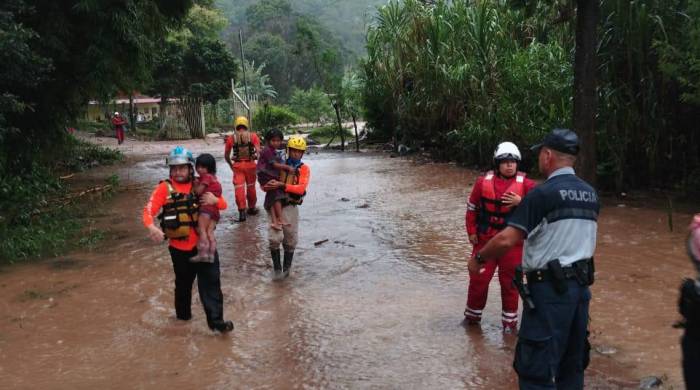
point(343, 243)
point(317, 243)
point(606, 350)
point(363, 206)
point(650, 382)
point(344, 199)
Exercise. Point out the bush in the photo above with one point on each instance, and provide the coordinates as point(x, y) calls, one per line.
point(312, 105)
point(79, 155)
point(92, 126)
point(274, 116)
point(327, 132)
point(42, 224)
point(26, 230)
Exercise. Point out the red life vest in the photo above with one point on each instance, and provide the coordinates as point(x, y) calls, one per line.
point(493, 213)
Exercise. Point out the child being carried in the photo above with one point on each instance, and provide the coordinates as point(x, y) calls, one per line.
point(208, 215)
point(269, 166)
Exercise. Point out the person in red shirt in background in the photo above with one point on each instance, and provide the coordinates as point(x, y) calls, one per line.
point(118, 122)
point(180, 209)
point(494, 197)
point(241, 152)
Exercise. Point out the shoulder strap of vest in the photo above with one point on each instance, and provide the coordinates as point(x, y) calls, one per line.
point(488, 189)
point(519, 185)
point(171, 190)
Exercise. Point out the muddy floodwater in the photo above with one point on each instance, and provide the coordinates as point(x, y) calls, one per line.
point(376, 306)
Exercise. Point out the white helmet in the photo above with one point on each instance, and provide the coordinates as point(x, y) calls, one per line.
point(116, 113)
point(506, 151)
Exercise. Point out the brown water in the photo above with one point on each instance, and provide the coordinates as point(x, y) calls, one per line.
point(378, 305)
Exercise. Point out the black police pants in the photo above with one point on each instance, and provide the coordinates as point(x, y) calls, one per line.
point(208, 283)
point(691, 358)
point(552, 349)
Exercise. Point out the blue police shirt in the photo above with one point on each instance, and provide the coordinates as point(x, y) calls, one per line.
point(559, 219)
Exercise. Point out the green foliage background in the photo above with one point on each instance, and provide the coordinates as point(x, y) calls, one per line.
point(461, 76)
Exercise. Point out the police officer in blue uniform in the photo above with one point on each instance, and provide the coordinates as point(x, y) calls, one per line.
point(689, 307)
point(558, 220)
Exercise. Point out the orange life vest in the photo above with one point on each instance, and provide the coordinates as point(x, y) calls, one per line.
point(292, 179)
point(243, 147)
point(180, 214)
point(493, 212)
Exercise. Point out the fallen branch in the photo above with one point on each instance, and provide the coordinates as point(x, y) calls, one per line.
point(317, 243)
point(106, 187)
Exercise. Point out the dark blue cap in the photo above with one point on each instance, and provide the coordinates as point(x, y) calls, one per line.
point(561, 140)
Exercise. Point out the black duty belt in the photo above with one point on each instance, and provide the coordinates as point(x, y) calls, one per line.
point(545, 275)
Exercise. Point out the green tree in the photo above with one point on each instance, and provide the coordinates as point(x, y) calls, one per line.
point(258, 83)
point(585, 80)
point(297, 49)
point(208, 67)
point(312, 105)
point(272, 51)
point(351, 92)
point(79, 49)
point(193, 60)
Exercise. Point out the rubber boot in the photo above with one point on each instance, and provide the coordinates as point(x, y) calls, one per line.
point(241, 215)
point(288, 256)
point(222, 326)
point(276, 264)
point(253, 211)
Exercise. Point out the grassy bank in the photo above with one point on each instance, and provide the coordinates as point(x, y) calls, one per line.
point(38, 212)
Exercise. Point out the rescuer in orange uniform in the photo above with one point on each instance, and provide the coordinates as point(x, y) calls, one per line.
point(241, 152)
point(180, 210)
point(294, 184)
point(494, 197)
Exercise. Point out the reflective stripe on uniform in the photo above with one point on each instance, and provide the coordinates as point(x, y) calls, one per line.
point(510, 316)
point(474, 313)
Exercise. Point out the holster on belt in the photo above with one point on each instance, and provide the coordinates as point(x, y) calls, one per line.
point(558, 278)
point(585, 272)
point(523, 289)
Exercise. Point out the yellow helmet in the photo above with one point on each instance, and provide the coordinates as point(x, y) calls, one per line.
point(296, 142)
point(241, 121)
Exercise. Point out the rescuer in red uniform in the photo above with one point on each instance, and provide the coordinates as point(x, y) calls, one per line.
point(494, 197)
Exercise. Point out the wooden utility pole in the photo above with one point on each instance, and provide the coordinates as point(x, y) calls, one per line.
point(245, 80)
point(585, 97)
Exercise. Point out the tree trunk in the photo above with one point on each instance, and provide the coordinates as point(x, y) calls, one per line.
point(161, 114)
point(132, 117)
point(357, 137)
point(585, 97)
point(340, 127)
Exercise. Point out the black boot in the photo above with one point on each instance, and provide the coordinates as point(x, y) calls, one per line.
point(241, 215)
point(253, 211)
point(276, 264)
point(288, 256)
point(222, 326)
